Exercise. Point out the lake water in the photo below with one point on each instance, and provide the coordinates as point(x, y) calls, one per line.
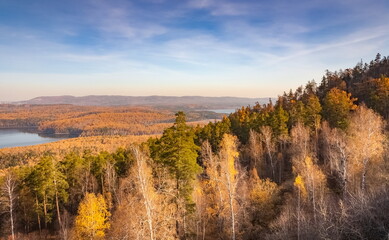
point(19, 138)
point(226, 111)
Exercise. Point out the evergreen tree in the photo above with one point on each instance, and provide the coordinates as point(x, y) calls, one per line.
point(297, 112)
point(213, 133)
point(337, 105)
point(177, 151)
point(49, 186)
point(278, 121)
point(312, 112)
point(378, 95)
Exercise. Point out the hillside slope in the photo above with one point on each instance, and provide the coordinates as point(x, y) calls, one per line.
point(113, 100)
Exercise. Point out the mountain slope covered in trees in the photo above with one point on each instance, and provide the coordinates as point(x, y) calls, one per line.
point(92, 120)
point(155, 101)
point(314, 165)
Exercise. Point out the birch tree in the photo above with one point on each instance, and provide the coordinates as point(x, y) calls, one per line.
point(366, 139)
point(269, 146)
point(145, 187)
point(336, 152)
point(229, 175)
point(9, 192)
point(255, 151)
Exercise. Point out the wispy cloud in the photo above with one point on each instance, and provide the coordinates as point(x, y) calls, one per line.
point(199, 43)
point(224, 7)
point(123, 20)
point(353, 39)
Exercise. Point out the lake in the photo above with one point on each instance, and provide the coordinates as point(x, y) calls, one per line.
point(224, 110)
point(19, 138)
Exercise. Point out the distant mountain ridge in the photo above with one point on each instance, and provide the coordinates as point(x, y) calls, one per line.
point(116, 100)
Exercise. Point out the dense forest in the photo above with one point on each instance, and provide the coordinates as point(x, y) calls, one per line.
point(313, 165)
point(92, 120)
point(15, 156)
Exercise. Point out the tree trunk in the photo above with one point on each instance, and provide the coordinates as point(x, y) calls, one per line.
point(58, 212)
point(280, 171)
point(184, 225)
point(230, 195)
point(45, 210)
point(10, 185)
point(363, 183)
point(271, 162)
point(142, 178)
point(26, 226)
point(313, 199)
point(298, 216)
point(11, 219)
point(344, 175)
point(177, 211)
point(203, 231)
point(39, 219)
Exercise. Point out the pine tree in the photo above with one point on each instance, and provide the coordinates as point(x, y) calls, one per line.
point(49, 186)
point(312, 112)
point(278, 121)
point(177, 151)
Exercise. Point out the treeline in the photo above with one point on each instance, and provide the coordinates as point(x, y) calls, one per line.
point(314, 165)
point(368, 83)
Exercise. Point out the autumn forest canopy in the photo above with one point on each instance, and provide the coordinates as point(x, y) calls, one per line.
point(312, 165)
point(73, 120)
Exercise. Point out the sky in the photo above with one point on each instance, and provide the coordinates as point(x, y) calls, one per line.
point(245, 48)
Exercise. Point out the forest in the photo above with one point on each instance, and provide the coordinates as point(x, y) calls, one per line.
point(15, 156)
point(76, 121)
point(312, 165)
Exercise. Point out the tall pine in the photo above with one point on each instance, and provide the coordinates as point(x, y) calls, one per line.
point(177, 151)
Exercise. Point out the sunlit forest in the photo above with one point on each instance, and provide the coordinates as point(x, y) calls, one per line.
point(92, 120)
point(10, 157)
point(312, 165)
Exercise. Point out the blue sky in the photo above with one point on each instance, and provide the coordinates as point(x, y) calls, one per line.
point(160, 47)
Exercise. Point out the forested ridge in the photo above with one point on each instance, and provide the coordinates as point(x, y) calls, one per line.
point(92, 120)
point(313, 165)
point(163, 102)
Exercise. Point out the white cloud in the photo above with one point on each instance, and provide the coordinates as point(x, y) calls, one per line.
point(252, 48)
point(223, 7)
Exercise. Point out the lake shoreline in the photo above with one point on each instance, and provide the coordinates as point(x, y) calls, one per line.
point(18, 137)
point(41, 133)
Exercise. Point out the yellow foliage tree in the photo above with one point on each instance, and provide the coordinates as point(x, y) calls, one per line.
point(299, 183)
point(228, 156)
point(302, 192)
point(92, 217)
point(264, 197)
point(337, 105)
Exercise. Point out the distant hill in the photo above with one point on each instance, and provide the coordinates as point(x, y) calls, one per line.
point(156, 101)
